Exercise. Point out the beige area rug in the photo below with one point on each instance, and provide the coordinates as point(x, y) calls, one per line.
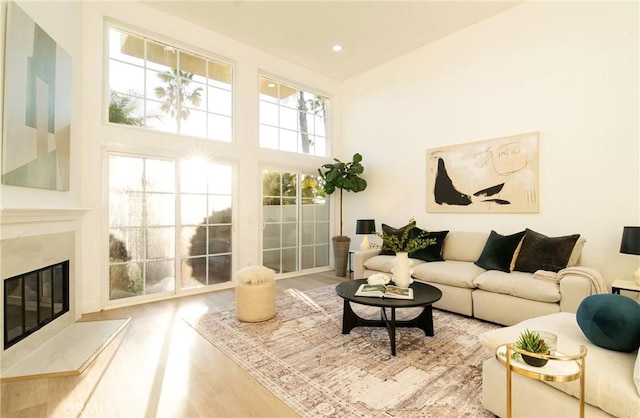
point(303, 358)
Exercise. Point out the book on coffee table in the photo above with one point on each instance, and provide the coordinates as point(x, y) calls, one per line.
point(384, 291)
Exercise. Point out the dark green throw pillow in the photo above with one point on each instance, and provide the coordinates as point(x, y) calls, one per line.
point(610, 321)
point(540, 252)
point(434, 251)
point(389, 230)
point(498, 251)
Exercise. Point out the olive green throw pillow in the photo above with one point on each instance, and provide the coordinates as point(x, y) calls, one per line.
point(498, 251)
point(540, 252)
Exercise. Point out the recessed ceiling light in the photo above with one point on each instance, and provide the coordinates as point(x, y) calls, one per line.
point(337, 48)
point(271, 85)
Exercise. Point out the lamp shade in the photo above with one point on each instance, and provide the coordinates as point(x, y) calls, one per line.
point(630, 240)
point(365, 226)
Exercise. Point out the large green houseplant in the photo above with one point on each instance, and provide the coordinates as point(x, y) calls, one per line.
point(343, 176)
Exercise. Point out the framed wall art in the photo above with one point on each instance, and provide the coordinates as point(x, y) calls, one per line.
point(497, 175)
point(37, 106)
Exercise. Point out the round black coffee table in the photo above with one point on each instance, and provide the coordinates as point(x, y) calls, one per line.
point(423, 296)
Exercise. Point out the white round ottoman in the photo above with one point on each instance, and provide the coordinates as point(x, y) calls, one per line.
point(255, 294)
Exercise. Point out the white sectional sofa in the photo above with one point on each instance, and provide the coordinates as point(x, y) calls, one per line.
point(502, 297)
point(610, 389)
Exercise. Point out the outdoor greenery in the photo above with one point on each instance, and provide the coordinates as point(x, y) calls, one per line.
point(123, 110)
point(176, 93)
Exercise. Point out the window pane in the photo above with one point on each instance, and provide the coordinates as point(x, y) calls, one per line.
point(160, 277)
point(269, 137)
point(288, 140)
point(268, 113)
point(160, 209)
point(161, 57)
point(193, 241)
point(192, 94)
point(126, 78)
point(160, 119)
point(194, 65)
point(220, 127)
point(160, 176)
point(125, 208)
point(219, 101)
point(193, 209)
point(220, 179)
point(288, 118)
point(126, 47)
point(271, 236)
point(220, 75)
point(195, 124)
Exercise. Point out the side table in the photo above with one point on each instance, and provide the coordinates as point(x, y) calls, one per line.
point(560, 368)
point(619, 285)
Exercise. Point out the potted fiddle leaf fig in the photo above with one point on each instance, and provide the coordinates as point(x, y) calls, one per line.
point(343, 176)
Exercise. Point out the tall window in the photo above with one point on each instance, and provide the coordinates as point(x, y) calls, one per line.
point(292, 119)
point(296, 221)
point(165, 88)
point(154, 204)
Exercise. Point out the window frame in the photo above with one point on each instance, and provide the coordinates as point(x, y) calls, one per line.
point(178, 47)
point(178, 290)
point(328, 115)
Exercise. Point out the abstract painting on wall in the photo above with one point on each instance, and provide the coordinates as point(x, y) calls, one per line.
point(497, 175)
point(37, 106)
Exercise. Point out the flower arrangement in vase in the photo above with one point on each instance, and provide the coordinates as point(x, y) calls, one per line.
point(402, 245)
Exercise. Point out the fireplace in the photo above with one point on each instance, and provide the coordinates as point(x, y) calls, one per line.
point(38, 253)
point(33, 300)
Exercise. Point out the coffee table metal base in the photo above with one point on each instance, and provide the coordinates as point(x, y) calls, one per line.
point(424, 321)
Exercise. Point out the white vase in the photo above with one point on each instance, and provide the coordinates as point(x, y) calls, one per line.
point(402, 270)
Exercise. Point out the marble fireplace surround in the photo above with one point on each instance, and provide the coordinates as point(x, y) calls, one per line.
point(31, 239)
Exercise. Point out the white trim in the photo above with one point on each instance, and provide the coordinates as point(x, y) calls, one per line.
point(13, 216)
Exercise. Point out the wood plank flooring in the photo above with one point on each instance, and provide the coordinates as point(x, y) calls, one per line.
point(158, 367)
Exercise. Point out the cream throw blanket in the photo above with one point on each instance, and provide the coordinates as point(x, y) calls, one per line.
point(593, 276)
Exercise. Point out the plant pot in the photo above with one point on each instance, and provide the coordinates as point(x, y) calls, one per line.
point(341, 256)
point(534, 361)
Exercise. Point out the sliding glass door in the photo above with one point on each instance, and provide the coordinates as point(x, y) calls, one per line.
point(295, 212)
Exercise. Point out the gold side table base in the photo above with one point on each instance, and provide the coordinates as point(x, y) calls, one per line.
point(563, 369)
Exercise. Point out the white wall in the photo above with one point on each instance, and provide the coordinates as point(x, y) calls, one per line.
point(61, 21)
point(569, 70)
point(99, 136)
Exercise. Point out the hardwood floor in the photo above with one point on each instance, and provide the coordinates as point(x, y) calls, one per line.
point(158, 367)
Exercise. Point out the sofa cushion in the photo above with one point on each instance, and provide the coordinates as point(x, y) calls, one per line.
point(449, 272)
point(389, 230)
point(432, 252)
point(498, 251)
point(384, 263)
point(609, 381)
point(518, 284)
point(540, 252)
point(463, 246)
point(610, 321)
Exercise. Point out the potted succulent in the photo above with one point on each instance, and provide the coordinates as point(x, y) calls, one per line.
point(533, 343)
point(343, 176)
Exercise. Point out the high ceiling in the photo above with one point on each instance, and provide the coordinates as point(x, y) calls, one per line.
point(370, 32)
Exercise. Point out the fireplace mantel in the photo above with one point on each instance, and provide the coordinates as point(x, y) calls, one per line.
point(14, 216)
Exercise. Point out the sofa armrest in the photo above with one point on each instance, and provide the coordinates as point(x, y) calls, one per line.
point(359, 257)
point(576, 284)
